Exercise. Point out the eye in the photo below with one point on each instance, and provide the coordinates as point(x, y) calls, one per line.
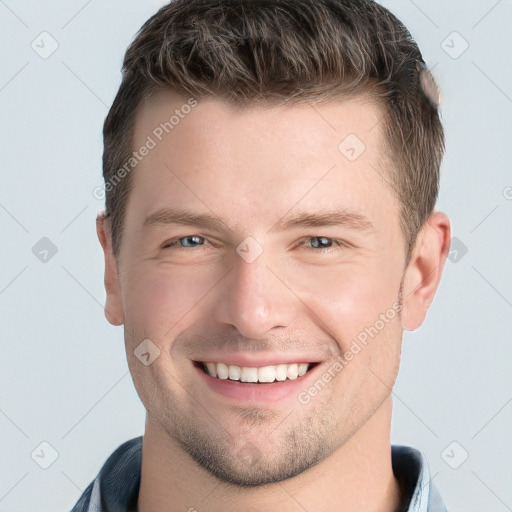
point(187, 242)
point(321, 242)
point(317, 243)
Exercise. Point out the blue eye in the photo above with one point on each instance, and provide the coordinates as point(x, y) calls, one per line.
point(321, 242)
point(190, 241)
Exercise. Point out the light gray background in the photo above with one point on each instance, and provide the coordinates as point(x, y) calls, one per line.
point(64, 376)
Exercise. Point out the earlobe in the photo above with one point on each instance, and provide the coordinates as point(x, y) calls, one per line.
point(424, 271)
point(113, 306)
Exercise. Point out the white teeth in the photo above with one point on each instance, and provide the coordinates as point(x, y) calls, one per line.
point(234, 372)
point(266, 374)
point(292, 372)
point(211, 367)
point(279, 372)
point(222, 371)
point(249, 374)
point(303, 368)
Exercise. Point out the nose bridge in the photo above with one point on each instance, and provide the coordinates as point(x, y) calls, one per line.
point(254, 300)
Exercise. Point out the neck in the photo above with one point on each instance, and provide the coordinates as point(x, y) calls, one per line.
point(358, 476)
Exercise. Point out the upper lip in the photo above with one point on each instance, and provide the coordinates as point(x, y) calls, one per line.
point(248, 360)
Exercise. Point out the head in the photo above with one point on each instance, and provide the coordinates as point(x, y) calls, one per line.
point(298, 160)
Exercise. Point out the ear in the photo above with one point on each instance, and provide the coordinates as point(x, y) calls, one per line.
point(113, 306)
point(424, 270)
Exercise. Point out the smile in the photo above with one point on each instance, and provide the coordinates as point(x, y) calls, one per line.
point(252, 374)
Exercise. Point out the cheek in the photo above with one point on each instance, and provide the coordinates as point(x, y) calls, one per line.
point(348, 299)
point(160, 300)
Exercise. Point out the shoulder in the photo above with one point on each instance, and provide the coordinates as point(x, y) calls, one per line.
point(117, 483)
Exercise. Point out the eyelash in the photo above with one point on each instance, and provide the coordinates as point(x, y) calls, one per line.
point(175, 243)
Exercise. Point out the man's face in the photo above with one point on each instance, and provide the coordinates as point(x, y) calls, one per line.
point(253, 276)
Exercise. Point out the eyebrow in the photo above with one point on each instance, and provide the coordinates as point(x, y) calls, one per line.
point(184, 217)
point(338, 217)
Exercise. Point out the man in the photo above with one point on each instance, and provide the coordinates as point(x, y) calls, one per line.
point(271, 171)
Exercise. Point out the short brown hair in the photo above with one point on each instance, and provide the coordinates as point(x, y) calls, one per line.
point(271, 51)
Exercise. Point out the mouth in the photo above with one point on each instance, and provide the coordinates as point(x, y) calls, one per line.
point(255, 374)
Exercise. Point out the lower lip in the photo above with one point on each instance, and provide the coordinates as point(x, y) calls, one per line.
point(264, 392)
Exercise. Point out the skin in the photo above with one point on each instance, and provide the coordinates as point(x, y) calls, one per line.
point(250, 170)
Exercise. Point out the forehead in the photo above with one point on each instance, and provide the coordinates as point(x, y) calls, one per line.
point(264, 160)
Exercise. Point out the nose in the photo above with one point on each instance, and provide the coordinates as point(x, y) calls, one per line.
point(255, 299)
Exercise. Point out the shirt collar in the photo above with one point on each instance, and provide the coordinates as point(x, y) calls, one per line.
point(411, 470)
